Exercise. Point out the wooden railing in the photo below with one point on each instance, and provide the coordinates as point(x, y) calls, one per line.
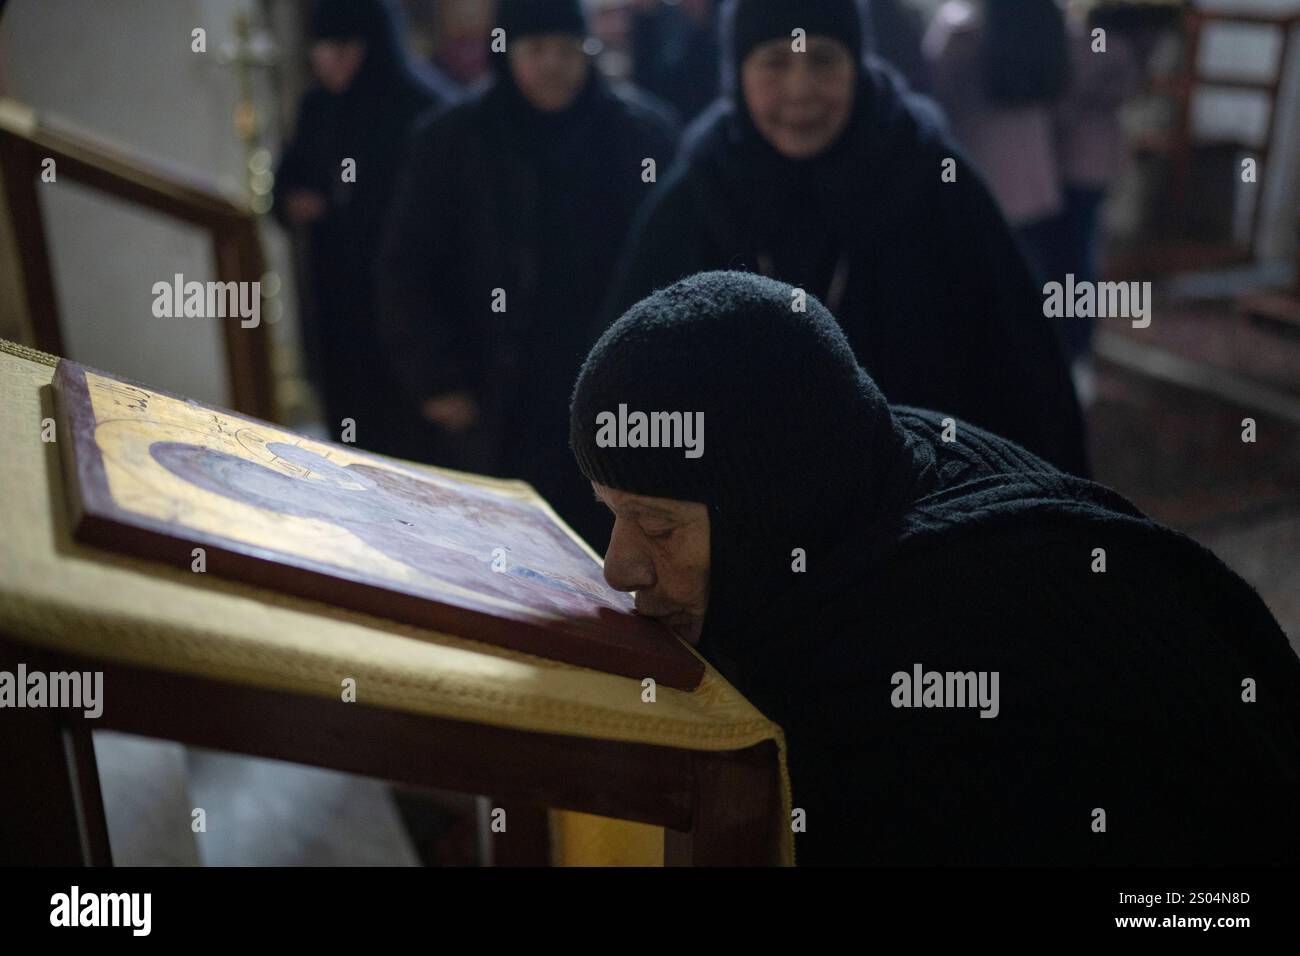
point(1178, 142)
point(26, 140)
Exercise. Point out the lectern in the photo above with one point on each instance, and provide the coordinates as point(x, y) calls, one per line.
point(251, 668)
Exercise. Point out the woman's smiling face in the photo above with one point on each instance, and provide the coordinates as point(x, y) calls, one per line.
point(659, 549)
point(800, 102)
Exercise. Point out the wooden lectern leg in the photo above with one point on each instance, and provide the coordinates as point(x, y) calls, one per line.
point(736, 819)
point(679, 848)
point(39, 822)
point(90, 799)
point(526, 840)
point(51, 808)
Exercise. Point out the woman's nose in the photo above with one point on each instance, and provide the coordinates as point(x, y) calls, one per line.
point(628, 566)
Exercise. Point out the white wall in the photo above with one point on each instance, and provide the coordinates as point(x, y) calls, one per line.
point(123, 70)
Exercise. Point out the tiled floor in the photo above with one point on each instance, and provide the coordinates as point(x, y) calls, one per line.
point(1176, 450)
point(255, 812)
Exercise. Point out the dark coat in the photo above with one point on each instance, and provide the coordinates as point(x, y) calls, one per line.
point(676, 58)
point(851, 541)
point(937, 300)
point(496, 195)
point(1120, 690)
point(368, 123)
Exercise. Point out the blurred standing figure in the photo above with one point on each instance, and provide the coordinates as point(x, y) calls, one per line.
point(1037, 109)
point(897, 28)
point(822, 170)
point(1093, 153)
point(461, 55)
point(1000, 67)
point(675, 52)
point(510, 212)
point(366, 97)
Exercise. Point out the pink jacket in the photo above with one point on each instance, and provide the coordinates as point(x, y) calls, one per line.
point(1016, 148)
point(1028, 154)
point(1090, 139)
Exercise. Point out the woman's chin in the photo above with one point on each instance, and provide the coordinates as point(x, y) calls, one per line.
point(801, 147)
point(688, 631)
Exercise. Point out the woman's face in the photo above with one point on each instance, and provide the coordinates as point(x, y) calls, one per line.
point(550, 70)
point(337, 62)
point(659, 551)
point(800, 102)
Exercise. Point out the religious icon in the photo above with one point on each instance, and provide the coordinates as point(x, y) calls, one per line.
point(158, 476)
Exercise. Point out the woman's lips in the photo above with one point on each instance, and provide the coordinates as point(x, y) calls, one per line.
point(804, 127)
point(681, 625)
point(671, 620)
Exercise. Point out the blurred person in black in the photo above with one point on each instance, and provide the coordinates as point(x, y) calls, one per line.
point(460, 55)
point(821, 169)
point(675, 52)
point(366, 97)
point(510, 212)
point(896, 31)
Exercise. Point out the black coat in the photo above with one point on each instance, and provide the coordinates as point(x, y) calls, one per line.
point(937, 300)
point(497, 196)
point(849, 542)
point(676, 58)
point(1120, 690)
point(368, 123)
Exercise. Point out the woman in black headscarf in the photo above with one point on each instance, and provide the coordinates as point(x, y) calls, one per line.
point(366, 98)
point(1118, 694)
point(822, 170)
point(511, 209)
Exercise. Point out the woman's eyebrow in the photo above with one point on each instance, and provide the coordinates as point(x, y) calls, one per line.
point(651, 511)
point(635, 509)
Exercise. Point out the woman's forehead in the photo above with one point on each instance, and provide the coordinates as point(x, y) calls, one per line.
point(643, 504)
point(783, 44)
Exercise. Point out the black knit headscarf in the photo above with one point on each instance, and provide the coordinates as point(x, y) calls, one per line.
point(521, 18)
point(746, 24)
point(378, 23)
point(525, 18)
point(800, 448)
point(348, 19)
